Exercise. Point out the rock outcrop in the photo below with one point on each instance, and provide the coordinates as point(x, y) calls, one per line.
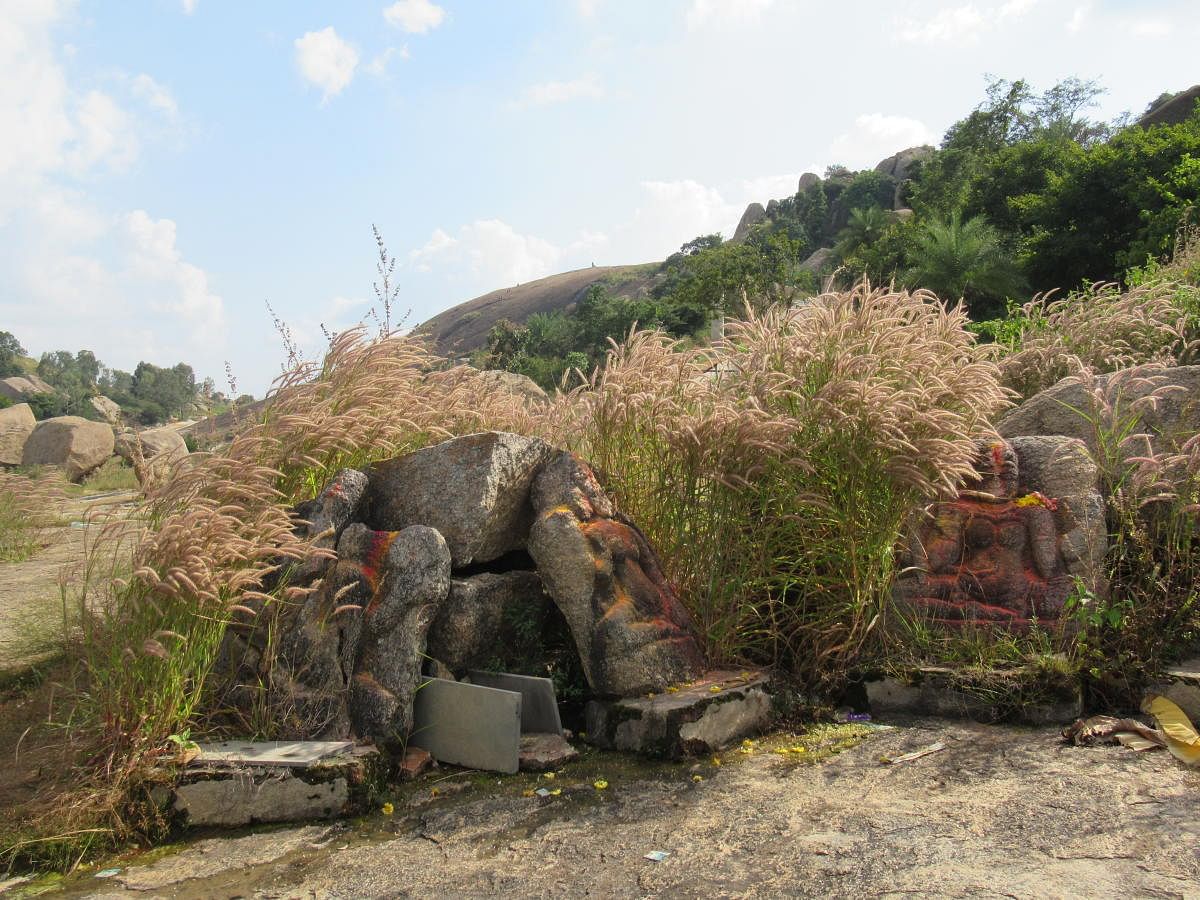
point(754, 214)
point(74, 444)
point(16, 424)
point(107, 409)
point(474, 490)
point(22, 387)
point(152, 453)
point(807, 180)
point(1065, 408)
point(435, 556)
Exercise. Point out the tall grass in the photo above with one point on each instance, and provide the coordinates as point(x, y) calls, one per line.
point(775, 470)
point(1150, 614)
point(1100, 328)
point(28, 508)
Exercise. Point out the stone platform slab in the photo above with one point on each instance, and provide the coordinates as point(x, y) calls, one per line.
point(229, 795)
point(1019, 696)
point(708, 714)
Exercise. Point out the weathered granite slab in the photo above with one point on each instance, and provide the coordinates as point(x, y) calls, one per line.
point(697, 718)
point(1181, 685)
point(230, 795)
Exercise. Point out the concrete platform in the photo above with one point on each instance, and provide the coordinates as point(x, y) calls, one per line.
point(230, 795)
point(708, 714)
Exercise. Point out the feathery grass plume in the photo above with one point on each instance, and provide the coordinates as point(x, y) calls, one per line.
point(27, 510)
point(1100, 327)
point(1149, 616)
point(775, 470)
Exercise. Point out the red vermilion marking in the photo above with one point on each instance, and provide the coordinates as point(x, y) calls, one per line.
point(381, 542)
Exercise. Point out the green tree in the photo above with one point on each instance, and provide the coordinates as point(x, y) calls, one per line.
point(964, 259)
point(11, 352)
point(865, 226)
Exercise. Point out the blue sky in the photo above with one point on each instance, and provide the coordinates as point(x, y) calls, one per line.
point(171, 165)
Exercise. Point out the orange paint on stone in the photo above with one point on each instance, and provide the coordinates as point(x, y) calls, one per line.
point(381, 542)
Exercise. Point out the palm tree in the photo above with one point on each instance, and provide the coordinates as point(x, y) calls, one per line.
point(965, 260)
point(864, 227)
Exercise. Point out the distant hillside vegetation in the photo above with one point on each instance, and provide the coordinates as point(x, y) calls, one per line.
point(464, 328)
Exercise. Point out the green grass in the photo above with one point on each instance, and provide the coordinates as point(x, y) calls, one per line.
point(114, 475)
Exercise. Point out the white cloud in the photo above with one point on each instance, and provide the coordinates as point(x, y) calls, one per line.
point(1078, 18)
point(677, 211)
point(490, 253)
point(326, 60)
point(1151, 28)
point(723, 13)
point(550, 92)
point(415, 16)
point(78, 275)
point(154, 95)
point(153, 258)
point(875, 137)
point(378, 66)
point(961, 24)
point(587, 8)
point(189, 6)
point(770, 187)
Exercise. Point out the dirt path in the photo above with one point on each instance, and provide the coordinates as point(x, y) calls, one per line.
point(30, 593)
point(1002, 812)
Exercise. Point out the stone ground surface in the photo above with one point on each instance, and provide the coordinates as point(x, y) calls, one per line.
point(30, 597)
point(1001, 812)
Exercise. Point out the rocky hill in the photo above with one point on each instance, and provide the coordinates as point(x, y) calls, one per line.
point(463, 328)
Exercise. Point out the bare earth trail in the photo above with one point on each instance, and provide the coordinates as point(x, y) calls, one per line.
point(30, 596)
point(1002, 812)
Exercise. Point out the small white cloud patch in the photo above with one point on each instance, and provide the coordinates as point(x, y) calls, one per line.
point(415, 16)
point(327, 61)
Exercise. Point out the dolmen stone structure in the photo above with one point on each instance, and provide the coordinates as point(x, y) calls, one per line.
point(1009, 551)
point(433, 549)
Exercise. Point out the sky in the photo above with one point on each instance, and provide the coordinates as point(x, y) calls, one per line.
point(171, 167)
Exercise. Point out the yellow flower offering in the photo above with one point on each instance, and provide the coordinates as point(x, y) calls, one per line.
point(600, 784)
point(387, 809)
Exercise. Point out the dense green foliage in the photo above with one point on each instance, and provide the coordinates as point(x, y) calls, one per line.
point(1025, 194)
point(149, 396)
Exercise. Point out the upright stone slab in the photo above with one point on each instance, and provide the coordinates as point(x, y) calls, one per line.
point(468, 725)
point(539, 706)
point(633, 633)
point(472, 489)
point(414, 584)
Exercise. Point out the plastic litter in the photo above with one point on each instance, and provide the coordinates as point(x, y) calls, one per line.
point(108, 873)
point(656, 855)
point(916, 754)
